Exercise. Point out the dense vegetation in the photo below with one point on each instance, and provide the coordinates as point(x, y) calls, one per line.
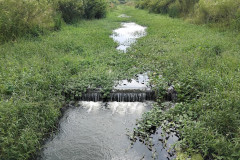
point(34, 75)
point(201, 63)
point(203, 66)
point(223, 12)
point(33, 17)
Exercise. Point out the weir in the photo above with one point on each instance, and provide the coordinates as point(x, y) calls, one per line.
point(134, 90)
point(124, 96)
point(95, 128)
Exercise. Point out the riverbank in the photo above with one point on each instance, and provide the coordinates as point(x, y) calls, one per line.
point(202, 64)
point(36, 73)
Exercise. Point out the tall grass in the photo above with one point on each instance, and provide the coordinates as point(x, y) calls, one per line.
point(33, 17)
point(19, 17)
point(95, 9)
point(220, 12)
point(74, 10)
point(203, 66)
point(35, 75)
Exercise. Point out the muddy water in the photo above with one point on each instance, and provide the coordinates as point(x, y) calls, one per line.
point(127, 35)
point(97, 131)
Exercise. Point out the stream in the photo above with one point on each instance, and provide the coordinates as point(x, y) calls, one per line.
point(98, 130)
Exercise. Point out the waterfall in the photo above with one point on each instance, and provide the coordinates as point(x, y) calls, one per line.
point(134, 90)
point(118, 96)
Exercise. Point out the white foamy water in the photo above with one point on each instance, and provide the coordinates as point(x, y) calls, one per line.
point(127, 35)
point(120, 108)
point(91, 106)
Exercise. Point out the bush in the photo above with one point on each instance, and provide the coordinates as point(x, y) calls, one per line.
point(19, 17)
point(187, 6)
point(221, 12)
point(33, 17)
point(235, 23)
point(95, 8)
point(216, 11)
point(160, 6)
point(72, 10)
point(175, 9)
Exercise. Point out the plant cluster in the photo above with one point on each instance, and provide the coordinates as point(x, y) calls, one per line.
point(33, 17)
point(221, 12)
point(202, 65)
point(73, 10)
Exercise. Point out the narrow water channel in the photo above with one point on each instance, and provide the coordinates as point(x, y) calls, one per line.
point(98, 130)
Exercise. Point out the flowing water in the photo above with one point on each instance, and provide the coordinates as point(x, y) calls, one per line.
point(97, 131)
point(137, 89)
point(93, 130)
point(127, 35)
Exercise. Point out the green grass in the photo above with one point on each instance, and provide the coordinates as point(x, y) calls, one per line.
point(202, 63)
point(35, 74)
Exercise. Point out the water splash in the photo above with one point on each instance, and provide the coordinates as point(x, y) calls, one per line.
point(133, 90)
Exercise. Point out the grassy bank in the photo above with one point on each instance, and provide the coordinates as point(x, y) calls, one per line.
point(24, 18)
point(35, 73)
point(203, 64)
point(219, 13)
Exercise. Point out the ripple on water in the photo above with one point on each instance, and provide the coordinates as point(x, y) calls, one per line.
point(97, 131)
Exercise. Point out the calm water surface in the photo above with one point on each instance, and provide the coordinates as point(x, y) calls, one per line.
point(97, 131)
point(127, 35)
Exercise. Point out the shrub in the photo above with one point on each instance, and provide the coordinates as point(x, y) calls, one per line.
point(225, 12)
point(74, 10)
point(187, 6)
point(95, 8)
point(160, 6)
point(33, 17)
point(235, 22)
point(142, 4)
point(175, 9)
point(18, 18)
point(71, 10)
point(221, 12)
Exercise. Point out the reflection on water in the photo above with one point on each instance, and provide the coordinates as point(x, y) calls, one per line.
point(141, 83)
point(124, 16)
point(127, 34)
point(97, 131)
point(137, 89)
